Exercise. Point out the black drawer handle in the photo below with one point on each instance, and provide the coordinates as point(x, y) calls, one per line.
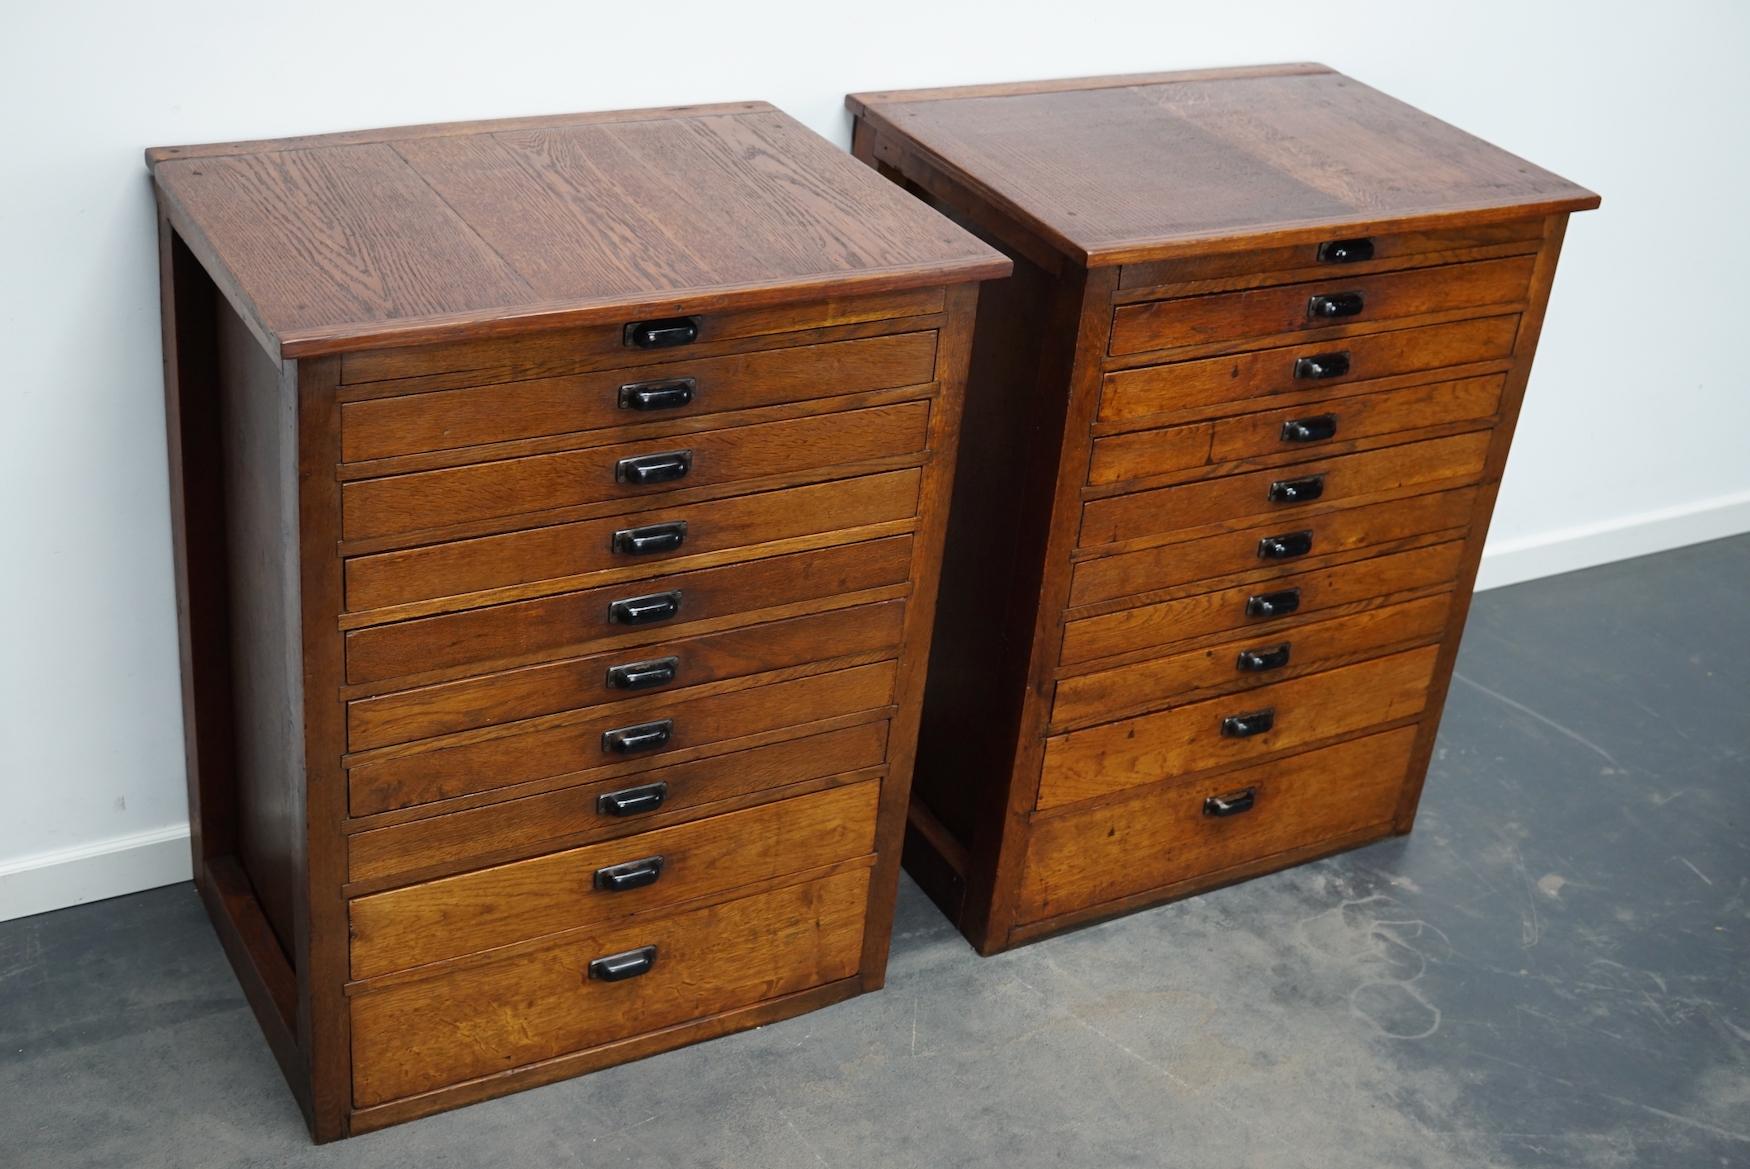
point(650, 539)
point(1231, 805)
point(1244, 726)
point(1314, 429)
point(1256, 661)
point(631, 875)
point(1345, 251)
point(1277, 604)
point(1285, 547)
point(630, 801)
point(670, 394)
point(1334, 306)
point(642, 737)
point(1302, 490)
point(1321, 366)
point(643, 470)
point(663, 334)
point(644, 610)
point(644, 675)
point(620, 967)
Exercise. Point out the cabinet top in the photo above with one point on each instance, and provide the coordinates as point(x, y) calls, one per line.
point(425, 233)
point(1115, 169)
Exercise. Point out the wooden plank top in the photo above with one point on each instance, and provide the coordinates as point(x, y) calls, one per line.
point(1119, 169)
point(466, 230)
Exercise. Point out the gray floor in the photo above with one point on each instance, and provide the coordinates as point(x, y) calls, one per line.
point(1551, 971)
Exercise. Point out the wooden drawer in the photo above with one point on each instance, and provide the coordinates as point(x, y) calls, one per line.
point(401, 504)
point(1203, 614)
point(480, 1019)
point(1301, 261)
point(575, 815)
point(1249, 662)
point(560, 351)
point(482, 761)
point(563, 551)
point(1107, 578)
point(600, 679)
point(1220, 317)
point(1289, 493)
point(1134, 394)
point(1151, 839)
point(1094, 762)
point(1266, 435)
point(578, 621)
point(378, 428)
point(528, 899)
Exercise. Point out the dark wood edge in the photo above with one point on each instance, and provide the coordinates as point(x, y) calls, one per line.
point(262, 969)
point(1204, 883)
point(623, 1051)
point(161, 154)
point(857, 103)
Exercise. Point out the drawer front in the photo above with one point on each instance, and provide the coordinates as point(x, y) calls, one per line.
point(660, 797)
point(1306, 261)
point(573, 622)
point(1262, 606)
point(558, 746)
point(562, 351)
point(379, 428)
point(1241, 378)
point(1245, 551)
point(1156, 838)
point(620, 675)
point(1301, 429)
point(528, 899)
point(562, 551)
point(1083, 764)
point(403, 504)
point(1246, 663)
point(1288, 492)
point(477, 1020)
point(1339, 298)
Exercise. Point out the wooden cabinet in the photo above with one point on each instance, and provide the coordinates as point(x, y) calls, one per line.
point(1233, 435)
point(559, 507)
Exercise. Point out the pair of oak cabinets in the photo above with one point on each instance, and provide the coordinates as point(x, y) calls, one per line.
point(607, 543)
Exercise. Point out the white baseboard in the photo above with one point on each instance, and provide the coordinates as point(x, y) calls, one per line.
point(1589, 545)
point(91, 872)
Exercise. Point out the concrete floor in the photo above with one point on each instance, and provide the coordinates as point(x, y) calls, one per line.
point(1552, 971)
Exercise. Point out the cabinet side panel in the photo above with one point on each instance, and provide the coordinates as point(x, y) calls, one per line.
point(257, 417)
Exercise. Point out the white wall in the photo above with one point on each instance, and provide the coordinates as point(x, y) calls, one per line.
point(1633, 438)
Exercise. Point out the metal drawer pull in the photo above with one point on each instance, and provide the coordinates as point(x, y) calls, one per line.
point(643, 470)
point(641, 737)
point(1345, 251)
point(643, 610)
point(1277, 604)
point(630, 801)
point(1256, 661)
point(1315, 429)
point(644, 675)
point(1303, 490)
point(650, 539)
point(1231, 805)
point(619, 967)
point(1285, 547)
point(1244, 726)
point(668, 394)
point(1321, 366)
point(1334, 306)
point(631, 875)
point(663, 334)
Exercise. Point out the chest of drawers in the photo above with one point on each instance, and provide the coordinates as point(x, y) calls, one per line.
point(1240, 416)
point(558, 510)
